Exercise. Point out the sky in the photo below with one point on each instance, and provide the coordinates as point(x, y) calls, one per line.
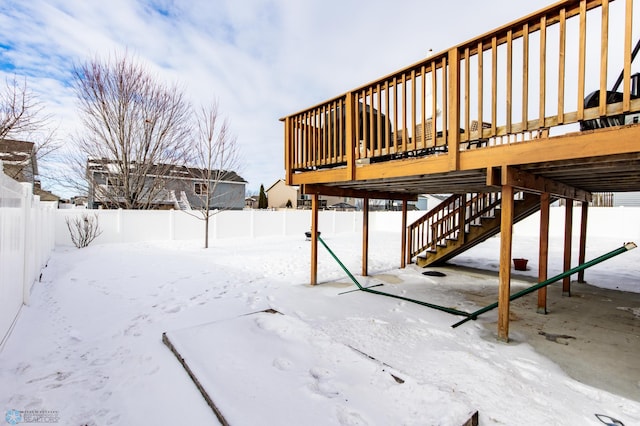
point(260, 60)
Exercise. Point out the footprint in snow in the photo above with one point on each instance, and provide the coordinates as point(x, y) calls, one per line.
point(349, 417)
point(58, 376)
point(322, 384)
point(173, 310)
point(282, 364)
point(320, 373)
point(99, 382)
point(21, 368)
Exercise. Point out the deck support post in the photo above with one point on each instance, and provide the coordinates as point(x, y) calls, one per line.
point(349, 135)
point(453, 109)
point(583, 239)
point(543, 252)
point(568, 228)
point(288, 149)
point(365, 237)
point(314, 238)
point(403, 245)
point(506, 235)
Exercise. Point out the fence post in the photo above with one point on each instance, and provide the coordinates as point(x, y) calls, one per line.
point(252, 219)
point(215, 226)
point(119, 225)
point(333, 223)
point(172, 231)
point(27, 242)
point(284, 222)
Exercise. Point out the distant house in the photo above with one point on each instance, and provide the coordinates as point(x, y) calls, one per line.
point(79, 201)
point(343, 207)
point(626, 199)
point(19, 163)
point(251, 202)
point(44, 194)
point(280, 194)
point(168, 186)
point(19, 160)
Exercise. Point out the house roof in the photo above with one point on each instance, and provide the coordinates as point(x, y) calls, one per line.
point(16, 152)
point(109, 167)
point(45, 195)
point(345, 206)
point(12, 150)
point(277, 182)
point(17, 157)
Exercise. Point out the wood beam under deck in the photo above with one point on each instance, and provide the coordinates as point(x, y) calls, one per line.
point(356, 193)
point(538, 184)
point(568, 228)
point(583, 239)
point(543, 254)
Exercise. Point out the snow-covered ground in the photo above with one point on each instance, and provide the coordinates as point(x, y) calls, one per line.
point(89, 347)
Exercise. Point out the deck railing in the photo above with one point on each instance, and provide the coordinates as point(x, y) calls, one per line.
point(551, 68)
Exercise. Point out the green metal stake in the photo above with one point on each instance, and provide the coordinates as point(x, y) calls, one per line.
point(626, 247)
point(368, 290)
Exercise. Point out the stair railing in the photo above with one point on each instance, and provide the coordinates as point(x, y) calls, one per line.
point(444, 221)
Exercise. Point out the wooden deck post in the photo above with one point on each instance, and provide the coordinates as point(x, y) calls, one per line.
point(568, 225)
point(506, 231)
point(288, 149)
point(543, 253)
point(583, 239)
point(453, 109)
point(314, 239)
point(403, 243)
point(349, 135)
point(365, 237)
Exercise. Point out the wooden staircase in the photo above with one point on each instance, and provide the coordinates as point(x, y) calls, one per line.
point(460, 222)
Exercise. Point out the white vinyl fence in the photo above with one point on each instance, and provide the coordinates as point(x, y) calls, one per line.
point(121, 226)
point(26, 241)
point(140, 225)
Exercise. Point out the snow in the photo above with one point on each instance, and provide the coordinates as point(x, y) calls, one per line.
point(89, 346)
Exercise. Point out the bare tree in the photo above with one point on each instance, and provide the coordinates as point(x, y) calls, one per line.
point(135, 131)
point(23, 118)
point(216, 158)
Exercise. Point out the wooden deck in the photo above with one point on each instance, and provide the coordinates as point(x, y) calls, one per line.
point(546, 104)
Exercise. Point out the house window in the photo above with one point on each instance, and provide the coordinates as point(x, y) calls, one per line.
point(200, 188)
point(113, 181)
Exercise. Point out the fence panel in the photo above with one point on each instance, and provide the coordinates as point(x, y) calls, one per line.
point(26, 240)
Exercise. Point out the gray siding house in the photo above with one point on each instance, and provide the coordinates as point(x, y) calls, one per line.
point(165, 187)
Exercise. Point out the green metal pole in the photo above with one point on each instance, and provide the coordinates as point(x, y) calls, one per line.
point(606, 256)
point(368, 290)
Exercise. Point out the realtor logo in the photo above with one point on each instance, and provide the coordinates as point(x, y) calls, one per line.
point(13, 417)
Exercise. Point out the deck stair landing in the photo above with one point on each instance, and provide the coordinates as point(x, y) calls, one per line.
point(461, 222)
